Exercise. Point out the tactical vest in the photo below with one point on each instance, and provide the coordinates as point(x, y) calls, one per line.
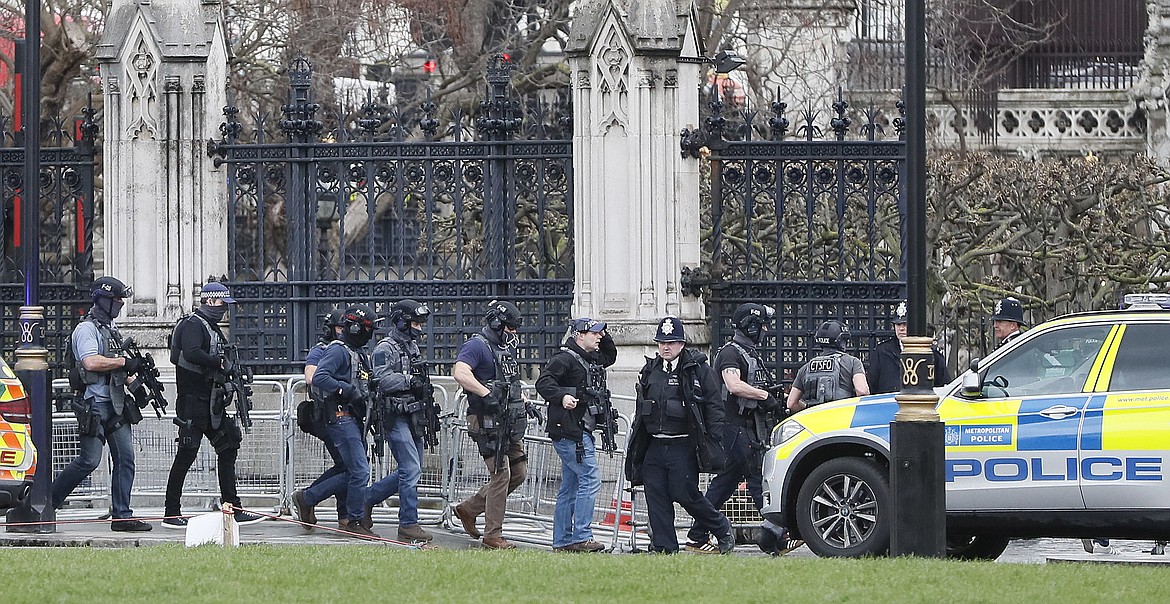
point(595, 374)
point(359, 376)
point(110, 340)
point(507, 369)
point(663, 406)
point(180, 360)
point(757, 377)
point(822, 379)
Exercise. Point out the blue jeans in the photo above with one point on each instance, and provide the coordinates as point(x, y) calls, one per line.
point(90, 455)
point(408, 452)
point(347, 436)
point(580, 483)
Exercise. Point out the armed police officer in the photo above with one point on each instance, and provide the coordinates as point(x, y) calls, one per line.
point(751, 409)
point(831, 375)
point(679, 418)
point(198, 351)
point(573, 382)
point(885, 360)
point(406, 416)
point(342, 382)
point(104, 410)
point(314, 423)
point(487, 370)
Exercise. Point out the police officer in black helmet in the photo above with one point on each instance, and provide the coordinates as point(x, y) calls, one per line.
point(103, 408)
point(315, 423)
point(831, 375)
point(1007, 320)
point(400, 372)
point(750, 412)
point(487, 370)
point(678, 411)
point(885, 360)
point(197, 350)
point(342, 382)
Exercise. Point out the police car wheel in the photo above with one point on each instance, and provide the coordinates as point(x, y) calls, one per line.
point(844, 508)
point(975, 547)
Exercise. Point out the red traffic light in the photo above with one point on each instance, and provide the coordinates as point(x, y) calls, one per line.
point(430, 65)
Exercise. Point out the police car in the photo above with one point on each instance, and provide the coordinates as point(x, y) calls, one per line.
point(17, 454)
point(1064, 432)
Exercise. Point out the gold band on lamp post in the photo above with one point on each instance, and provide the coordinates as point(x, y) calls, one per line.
point(917, 401)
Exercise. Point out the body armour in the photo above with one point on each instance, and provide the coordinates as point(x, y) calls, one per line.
point(663, 407)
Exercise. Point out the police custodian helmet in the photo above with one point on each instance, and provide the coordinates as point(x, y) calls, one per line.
point(670, 329)
point(1009, 309)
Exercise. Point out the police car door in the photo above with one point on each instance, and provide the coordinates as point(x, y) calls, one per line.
point(1125, 440)
point(1015, 447)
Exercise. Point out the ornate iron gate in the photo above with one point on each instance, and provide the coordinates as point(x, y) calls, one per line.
point(66, 214)
point(391, 204)
point(810, 225)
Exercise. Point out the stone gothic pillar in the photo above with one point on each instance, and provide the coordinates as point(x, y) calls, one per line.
point(1152, 91)
point(636, 222)
point(164, 75)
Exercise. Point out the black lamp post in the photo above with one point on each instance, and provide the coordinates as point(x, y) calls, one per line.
point(32, 359)
point(916, 434)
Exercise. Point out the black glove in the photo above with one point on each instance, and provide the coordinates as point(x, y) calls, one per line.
point(141, 396)
point(491, 403)
point(132, 365)
point(771, 404)
point(419, 387)
point(357, 396)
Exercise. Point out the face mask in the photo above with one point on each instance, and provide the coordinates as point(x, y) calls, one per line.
point(215, 312)
point(359, 339)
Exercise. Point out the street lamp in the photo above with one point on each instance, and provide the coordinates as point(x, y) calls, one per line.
point(916, 434)
point(326, 216)
point(32, 359)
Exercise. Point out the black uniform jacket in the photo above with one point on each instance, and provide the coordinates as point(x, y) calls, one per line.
point(700, 388)
point(884, 373)
point(563, 375)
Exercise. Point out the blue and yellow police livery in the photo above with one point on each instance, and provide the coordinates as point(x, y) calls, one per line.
point(1064, 432)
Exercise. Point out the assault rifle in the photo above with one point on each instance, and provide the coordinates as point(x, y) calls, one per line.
point(237, 386)
point(426, 421)
point(377, 417)
point(602, 409)
point(504, 420)
point(152, 389)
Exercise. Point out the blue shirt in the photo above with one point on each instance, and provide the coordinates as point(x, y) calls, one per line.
point(315, 354)
point(87, 341)
point(334, 371)
point(479, 357)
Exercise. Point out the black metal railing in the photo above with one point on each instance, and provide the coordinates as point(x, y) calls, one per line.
point(805, 214)
point(66, 211)
point(394, 200)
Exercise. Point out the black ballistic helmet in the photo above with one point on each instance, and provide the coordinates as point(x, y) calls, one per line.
point(358, 318)
point(500, 314)
point(408, 311)
point(109, 287)
point(332, 320)
point(753, 319)
point(832, 334)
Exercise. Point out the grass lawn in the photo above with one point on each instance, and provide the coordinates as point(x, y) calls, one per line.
point(264, 573)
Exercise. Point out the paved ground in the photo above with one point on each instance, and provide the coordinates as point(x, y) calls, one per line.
point(79, 529)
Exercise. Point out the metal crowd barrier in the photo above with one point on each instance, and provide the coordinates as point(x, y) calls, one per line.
point(276, 458)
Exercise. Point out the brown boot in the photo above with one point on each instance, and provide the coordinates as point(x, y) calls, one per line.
point(468, 521)
point(413, 532)
point(497, 543)
point(304, 512)
point(357, 530)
